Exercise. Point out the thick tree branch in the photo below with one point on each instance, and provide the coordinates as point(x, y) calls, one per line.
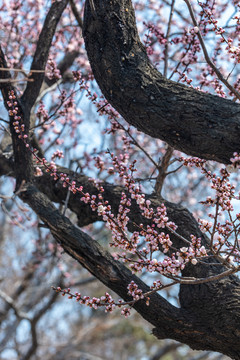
point(226, 291)
point(194, 122)
point(191, 121)
point(218, 300)
point(92, 256)
point(180, 324)
point(41, 54)
point(22, 158)
point(187, 225)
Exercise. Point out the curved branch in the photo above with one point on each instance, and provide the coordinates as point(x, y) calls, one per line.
point(22, 158)
point(191, 121)
point(219, 333)
point(217, 301)
point(187, 224)
point(95, 259)
point(41, 54)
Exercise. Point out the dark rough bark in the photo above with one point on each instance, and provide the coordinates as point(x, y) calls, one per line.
point(41, 54)
point(196, 123)
point(212, 325)
point(209, 318)
point(22, 159)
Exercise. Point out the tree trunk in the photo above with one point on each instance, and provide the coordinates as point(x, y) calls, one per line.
point(196, 123)
point(191, 121)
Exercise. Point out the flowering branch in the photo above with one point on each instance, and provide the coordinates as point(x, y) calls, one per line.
point(171, 109)
point(208, 60)
point(41, 54)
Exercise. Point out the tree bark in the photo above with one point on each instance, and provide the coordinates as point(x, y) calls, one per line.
point(209, 320)
point(191, 121)
point(209, 317)
point(41, 54)
point(197, 123)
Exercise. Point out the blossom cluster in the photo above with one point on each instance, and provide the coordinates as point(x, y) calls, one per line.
point(149, 247)
point(13, 112)
point(224, 226)
point(52, 70)
point(104, 301)
point(154, 241)
point(235, 160)
point(207, 13)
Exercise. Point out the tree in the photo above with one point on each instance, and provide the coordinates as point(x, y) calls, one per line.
point(188, 120)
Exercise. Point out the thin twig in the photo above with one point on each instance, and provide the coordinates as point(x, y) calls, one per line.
point(195, 281)
point(24, 71)
point(167, 37)
point(162, 170)
point(76, 13)
point(207, 58)
point(15, 80)
point(137, 144)
point(10, 302)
